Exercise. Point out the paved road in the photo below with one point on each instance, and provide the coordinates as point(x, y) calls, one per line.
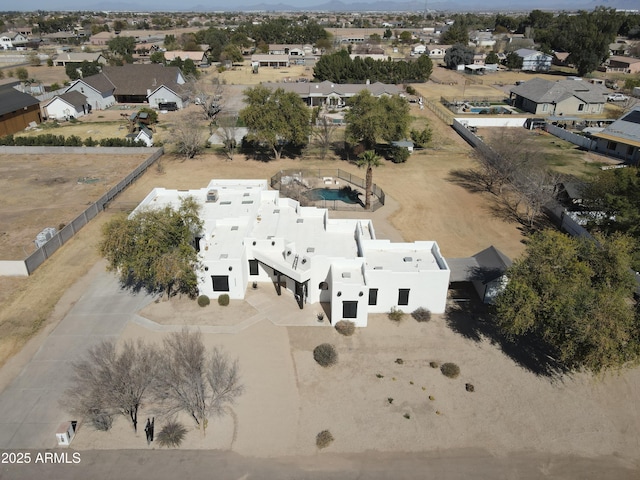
point(29, 407)
point(448, 464)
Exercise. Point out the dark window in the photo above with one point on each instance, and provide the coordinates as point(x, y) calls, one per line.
point(403, 296)
point(349, 309)
point(253, 267)
point(612, 145)
point(373, 296)
point(220, 283)
point(629, 150)
point(581, 107)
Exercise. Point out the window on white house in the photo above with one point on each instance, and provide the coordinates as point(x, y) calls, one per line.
point(349, 309)
point(373, 296)
point(403, 296)
point(220, 283)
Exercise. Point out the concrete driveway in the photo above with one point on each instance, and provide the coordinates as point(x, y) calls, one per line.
point(30, 412)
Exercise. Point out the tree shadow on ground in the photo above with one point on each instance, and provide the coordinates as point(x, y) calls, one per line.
point(467, 316)
point(469, 179)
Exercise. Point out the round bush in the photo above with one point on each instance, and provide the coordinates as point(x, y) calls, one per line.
point(171, 434)
point(223, 300)
point(325, 354)
point(421, 315)
point(203, 300)
point(324, 439)
point(396, 314)
point(346, 327)
point(434, 364)
point(450, 370)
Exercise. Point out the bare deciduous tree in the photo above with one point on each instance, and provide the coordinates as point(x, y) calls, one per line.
point(208, 94)
point(108, 382)
point(191, 381)
point(189, 136)
point(323, 134)
point(228, 129)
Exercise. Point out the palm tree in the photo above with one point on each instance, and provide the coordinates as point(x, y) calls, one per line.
point(368, 159)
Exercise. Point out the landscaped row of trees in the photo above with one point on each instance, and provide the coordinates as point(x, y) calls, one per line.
point(340, 68)
point(179, 377)
point(51, 140)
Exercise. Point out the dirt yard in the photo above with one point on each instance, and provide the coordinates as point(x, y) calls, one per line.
point(38, 191)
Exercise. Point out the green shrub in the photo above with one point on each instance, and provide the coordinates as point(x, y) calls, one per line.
point(450, 370)
point(421, 314)
point(223, 300)
point(395, 314)
point(171, 434)
point(399, 154)
point(203, 300)
point(346, 327)
point(325, 354)
point(324, 439)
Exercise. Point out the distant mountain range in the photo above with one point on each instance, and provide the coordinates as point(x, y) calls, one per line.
point(373, 6)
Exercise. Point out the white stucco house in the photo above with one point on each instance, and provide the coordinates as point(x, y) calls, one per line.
point(67, 105)
point(252, 235)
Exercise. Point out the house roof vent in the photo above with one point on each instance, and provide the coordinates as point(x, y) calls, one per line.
point(212, 196)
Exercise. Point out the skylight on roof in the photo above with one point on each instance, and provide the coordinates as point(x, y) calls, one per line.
point(300, 220)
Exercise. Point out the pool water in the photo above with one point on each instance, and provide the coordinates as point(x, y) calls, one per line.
point(489, 110)
point(346, 196)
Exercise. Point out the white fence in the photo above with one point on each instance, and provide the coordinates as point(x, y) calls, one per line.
point(578, 140)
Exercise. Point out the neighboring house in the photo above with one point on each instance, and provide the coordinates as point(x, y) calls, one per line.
point(267, 60)
point(11, 40)
point(17, 110)
point(621, 139)
point(290, 49)
point(619, 48)
point(98, 90)
point(197, 57)
point(622, 64)
point(132, 83)
point(79, 57)
point(564, 97)
point(534, 61)
point(418, 49)
point(437, 51)
point(485, 270)
point(164, 94)
point(67, 105)
point(333, 94)
point(143, 135)
point(101, 38)
point(253, 236)
point(561, 59)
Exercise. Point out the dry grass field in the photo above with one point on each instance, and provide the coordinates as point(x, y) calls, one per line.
point(38, 191)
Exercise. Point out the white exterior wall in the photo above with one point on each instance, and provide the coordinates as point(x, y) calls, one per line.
point(162, 95)
point(94, 98)
point(537, 63)
point(59, 109)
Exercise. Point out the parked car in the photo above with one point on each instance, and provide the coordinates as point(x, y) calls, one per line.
point(617, 97)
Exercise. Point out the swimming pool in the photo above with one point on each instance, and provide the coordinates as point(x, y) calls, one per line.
point(342, 195)
point(489, 110)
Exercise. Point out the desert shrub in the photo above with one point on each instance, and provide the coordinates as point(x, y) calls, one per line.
point(324, 439)
point(171, 434)
point(203, 300)
point(434, 364)
point(101, 420)
point(325, 354)
point(395, 314)
point(346, 327)
point(399, 361)
point(469, 387)
point(407, 416)
point(421, 314)
point(223, 300)
point(450, 370)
